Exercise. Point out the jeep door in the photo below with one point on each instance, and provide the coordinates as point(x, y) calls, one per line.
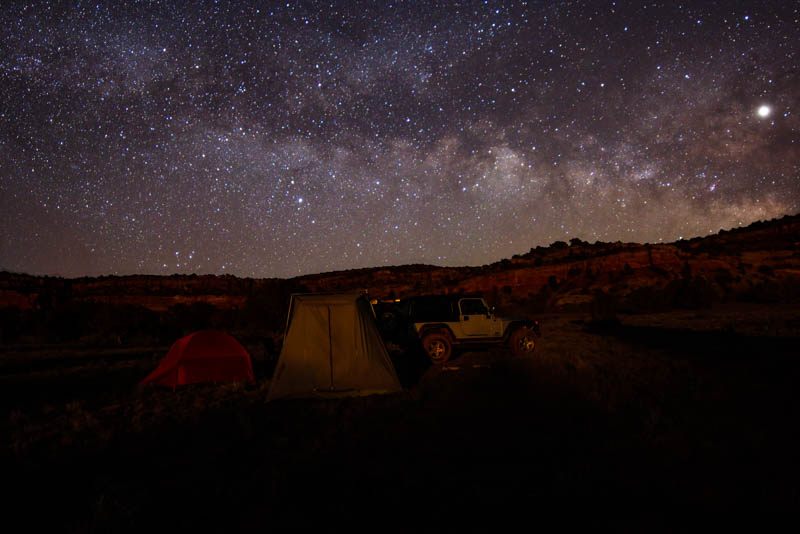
point(475, 318)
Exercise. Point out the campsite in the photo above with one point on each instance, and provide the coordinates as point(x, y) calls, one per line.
point(663, 387)
point(454, 266)
point(617, 425)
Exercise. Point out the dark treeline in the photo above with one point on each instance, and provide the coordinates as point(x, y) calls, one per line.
point(56, 319)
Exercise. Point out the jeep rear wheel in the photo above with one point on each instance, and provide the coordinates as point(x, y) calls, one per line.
point(437, 346)
point(522, 341)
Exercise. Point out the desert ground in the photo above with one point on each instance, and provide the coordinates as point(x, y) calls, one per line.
point(643, 420)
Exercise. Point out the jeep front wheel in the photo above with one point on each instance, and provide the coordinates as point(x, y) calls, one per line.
point(437, 346)
point(522, 341)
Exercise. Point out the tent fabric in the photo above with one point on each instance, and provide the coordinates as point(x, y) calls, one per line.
point(332, 348)
point(204, 356)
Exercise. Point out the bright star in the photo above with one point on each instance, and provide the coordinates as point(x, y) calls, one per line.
point(764, 111)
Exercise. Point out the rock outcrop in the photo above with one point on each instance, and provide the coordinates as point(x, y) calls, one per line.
point(758, 262)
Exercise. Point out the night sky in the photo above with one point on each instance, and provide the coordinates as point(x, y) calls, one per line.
point(282, 138)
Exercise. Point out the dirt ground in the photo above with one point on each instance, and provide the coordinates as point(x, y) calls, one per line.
point(644, 422)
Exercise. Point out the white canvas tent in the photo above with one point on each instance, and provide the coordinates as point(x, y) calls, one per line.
point(332, 348)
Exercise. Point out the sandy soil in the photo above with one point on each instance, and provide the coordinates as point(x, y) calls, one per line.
point(645, 422)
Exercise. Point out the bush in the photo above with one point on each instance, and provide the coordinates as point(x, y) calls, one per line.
point(10, 324)
point(124, 324)
point(604, 309)
point(182, 319)
point(693, 293)
point(266, 308)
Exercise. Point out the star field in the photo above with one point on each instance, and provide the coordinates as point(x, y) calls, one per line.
point(284, 138)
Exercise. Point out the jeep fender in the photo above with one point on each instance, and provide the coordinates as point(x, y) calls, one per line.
point(434, 327)
point(522, 323)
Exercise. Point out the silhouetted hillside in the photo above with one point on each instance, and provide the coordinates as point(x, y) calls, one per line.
point(758, 263)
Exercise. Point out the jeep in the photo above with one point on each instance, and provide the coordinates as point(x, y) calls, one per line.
point(444, 323)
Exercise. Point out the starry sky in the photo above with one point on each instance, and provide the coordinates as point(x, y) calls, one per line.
point(273, 139)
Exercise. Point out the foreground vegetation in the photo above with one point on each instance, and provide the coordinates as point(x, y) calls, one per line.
point(641, 418)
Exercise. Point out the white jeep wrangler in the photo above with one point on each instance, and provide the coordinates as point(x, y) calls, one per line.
point(446, 322)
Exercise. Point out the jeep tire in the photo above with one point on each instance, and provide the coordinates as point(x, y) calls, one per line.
point(522, 341)
point(437, 346)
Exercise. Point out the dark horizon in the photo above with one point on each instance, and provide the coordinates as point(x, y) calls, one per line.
point(405, 265)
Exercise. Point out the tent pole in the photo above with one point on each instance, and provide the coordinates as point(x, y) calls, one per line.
point(330, 346)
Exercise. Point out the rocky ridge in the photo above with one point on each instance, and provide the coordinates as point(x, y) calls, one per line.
point(759, 262)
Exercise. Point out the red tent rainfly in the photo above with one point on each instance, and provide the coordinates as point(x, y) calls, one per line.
point(204, 356)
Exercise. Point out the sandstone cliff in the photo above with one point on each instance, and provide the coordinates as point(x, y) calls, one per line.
point(759, 262)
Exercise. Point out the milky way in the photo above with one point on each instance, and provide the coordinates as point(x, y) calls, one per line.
point(276, 139)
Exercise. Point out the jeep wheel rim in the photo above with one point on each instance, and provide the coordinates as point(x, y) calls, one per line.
point(436, 350)
point(526, 344)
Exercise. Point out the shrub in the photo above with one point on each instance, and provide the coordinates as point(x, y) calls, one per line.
point(10, 324)
point(604, 309)
point(693, 293)
point(767, 270)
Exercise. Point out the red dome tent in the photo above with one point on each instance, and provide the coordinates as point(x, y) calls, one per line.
point(204, 356)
